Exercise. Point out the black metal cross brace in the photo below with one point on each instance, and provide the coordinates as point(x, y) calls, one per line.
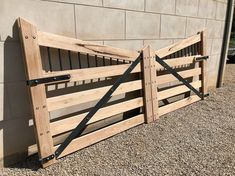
point(82, 125)
point(180, 78)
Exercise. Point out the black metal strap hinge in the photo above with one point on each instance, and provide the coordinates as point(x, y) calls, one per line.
point(35, 82)
point(48, 158)
point(200, 58)
point(180, 78)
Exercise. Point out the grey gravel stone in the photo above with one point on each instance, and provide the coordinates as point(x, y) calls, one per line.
point(196, 140)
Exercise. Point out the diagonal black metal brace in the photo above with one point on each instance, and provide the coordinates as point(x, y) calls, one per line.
point(180, 78)
point(82, 125)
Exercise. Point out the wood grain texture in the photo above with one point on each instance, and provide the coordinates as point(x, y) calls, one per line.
point(72, 99)
point(178, 104)
point(203, 63)
point(76, 45)
point(102, 134)
point(28, 34)
point(178, 46)
point(70, 123)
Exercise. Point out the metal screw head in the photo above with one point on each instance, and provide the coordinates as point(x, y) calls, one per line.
point(26, 37)
point(34, 37)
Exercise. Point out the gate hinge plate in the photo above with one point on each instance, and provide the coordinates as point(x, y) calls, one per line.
point(35, 82)
point(48, 158)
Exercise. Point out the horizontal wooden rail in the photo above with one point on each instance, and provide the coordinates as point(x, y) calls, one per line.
point(102, 134)
point(178, 104)
point(64, 101)
point(108, 71)
point(185, 74)
point(93, 73)
point(175, 62)
point(70, 123)
point(76, 45)
point(177, 90)
point(178, 46)
point(68, 100)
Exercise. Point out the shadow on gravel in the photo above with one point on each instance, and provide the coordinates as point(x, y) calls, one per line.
point(30, 163)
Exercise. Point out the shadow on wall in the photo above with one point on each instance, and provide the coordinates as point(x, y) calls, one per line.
point(16, 133)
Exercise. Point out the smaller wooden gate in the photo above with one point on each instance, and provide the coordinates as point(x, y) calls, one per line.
point(142, 81)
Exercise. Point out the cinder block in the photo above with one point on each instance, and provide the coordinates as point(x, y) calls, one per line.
point(15, 138)
point(1, 62)
point(213, 28)
point(124, 4)
point(19, 99)
point(187, 7)
point(213, 63)
point(11, 62)
point(159, 6)
point(86, 2)
point(207, 9)
point(221, 11)
point(216, 46)
point(142, 25)
point(126, 44)
point(222, 29)
point(172, 26)
point(5, 113)
point(212, 79)
point(95, 23)
point(48, 16)
point(194, 25)
point(209, 45)
point(158, 44)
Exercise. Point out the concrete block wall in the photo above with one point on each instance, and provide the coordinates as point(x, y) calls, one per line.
point(122, 23)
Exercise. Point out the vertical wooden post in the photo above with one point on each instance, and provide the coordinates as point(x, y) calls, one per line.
point(149, 84)
point(33, 67)
point(203, 64)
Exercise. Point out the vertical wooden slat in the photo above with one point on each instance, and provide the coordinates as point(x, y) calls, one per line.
point(203, 64)
point(153, 73)
point(149, 84)
point(33, 67)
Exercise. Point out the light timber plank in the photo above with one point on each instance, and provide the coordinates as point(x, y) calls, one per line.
point(107, 71)
point(76, 45)
point(178, 46)
point(185, 74)
point(153, 74)
point(93, 73)
point(203, 63)
point(147, 85)
point(102, 134)
point(68, 100)
point(177, 90)
point(178, 104)
point(29, 38)
point(175, 62)
point(70, 123)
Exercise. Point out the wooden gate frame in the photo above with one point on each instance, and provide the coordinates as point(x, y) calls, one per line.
point(31, 40)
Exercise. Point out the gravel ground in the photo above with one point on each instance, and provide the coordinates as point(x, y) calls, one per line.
point(195, 140)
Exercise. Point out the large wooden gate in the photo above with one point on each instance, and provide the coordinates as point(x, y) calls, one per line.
point(105, 90)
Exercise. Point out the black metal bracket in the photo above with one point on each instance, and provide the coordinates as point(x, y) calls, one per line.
point(48, 158)
point(200, 58)
point(35, 82)
point(180, 78)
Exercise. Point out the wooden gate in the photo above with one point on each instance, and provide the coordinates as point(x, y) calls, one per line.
point(103, 90)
